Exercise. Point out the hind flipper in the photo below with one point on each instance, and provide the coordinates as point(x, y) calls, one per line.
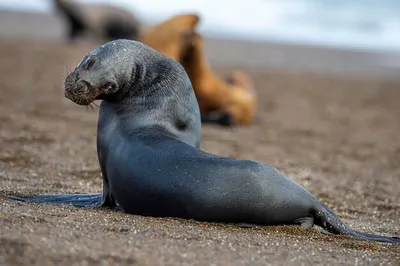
point(378, 238)
point(323, 231)
point(334, 225)
point(306, 222)
point(77, 200)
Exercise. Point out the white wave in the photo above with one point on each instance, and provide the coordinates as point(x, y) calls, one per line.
point(373, 25)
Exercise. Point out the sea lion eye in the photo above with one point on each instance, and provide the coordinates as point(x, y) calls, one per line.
point(181, 125)
point(91, 62)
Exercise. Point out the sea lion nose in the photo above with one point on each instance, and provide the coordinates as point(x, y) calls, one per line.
point(82, 87)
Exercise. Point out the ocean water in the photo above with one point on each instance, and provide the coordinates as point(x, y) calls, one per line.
point(359, 24)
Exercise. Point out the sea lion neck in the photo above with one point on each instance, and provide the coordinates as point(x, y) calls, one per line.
point(146, 81)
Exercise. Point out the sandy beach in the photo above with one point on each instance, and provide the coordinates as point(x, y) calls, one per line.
point(330, 121)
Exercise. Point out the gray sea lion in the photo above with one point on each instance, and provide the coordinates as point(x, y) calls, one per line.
point(148, 149)
point(100, 21)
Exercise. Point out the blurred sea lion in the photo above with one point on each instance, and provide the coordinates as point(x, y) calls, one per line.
point(166, 37)
point(226, 102)
point(100, 21)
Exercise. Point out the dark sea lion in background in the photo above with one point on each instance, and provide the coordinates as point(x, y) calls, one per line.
point(147, 141)
point(166, 37)
point(100, 21)
point(227, 102)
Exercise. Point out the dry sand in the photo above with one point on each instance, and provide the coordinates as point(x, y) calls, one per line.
point(337, 136)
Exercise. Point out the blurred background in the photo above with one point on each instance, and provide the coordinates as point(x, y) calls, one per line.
point(327, 81)
point(362, 25)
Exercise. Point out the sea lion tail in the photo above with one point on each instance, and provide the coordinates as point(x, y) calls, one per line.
point(77, 200)
point(333, 224)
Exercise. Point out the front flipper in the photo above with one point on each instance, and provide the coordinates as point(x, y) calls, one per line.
point(306, 222)
point(107, 199)
point(77, 200)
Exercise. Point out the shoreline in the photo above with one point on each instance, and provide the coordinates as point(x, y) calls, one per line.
point(241, 53)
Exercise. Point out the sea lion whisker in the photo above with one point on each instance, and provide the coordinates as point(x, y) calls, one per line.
point(88, 107)
point(93, 106)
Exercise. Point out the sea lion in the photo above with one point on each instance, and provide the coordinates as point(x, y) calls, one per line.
point(100, 21)
point(149, 155)
point(166, 37)
point(227, 102)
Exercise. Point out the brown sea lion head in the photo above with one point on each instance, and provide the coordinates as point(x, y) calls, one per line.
point(166, 37)
point(180, 22)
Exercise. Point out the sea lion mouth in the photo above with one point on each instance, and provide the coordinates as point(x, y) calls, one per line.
point(78, 99)
point(81, 93)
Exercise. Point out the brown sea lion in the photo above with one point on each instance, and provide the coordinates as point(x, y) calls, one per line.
point(227, 102)
point(100, 21)
point(166, 37)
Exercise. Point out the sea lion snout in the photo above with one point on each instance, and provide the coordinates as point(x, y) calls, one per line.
point(78, 91)
point(84, 88)
point(81, 87)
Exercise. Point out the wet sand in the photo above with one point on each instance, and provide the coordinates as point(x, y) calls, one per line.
point(335, 134)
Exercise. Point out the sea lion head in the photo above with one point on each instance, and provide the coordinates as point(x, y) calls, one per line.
point(124, 71)
point(88, 82)
point(136, 79)
point(110, 72)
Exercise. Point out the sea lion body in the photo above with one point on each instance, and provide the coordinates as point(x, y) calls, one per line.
point(148, 149)
point(101, 21)
point(230, 101)
point(198, 185)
